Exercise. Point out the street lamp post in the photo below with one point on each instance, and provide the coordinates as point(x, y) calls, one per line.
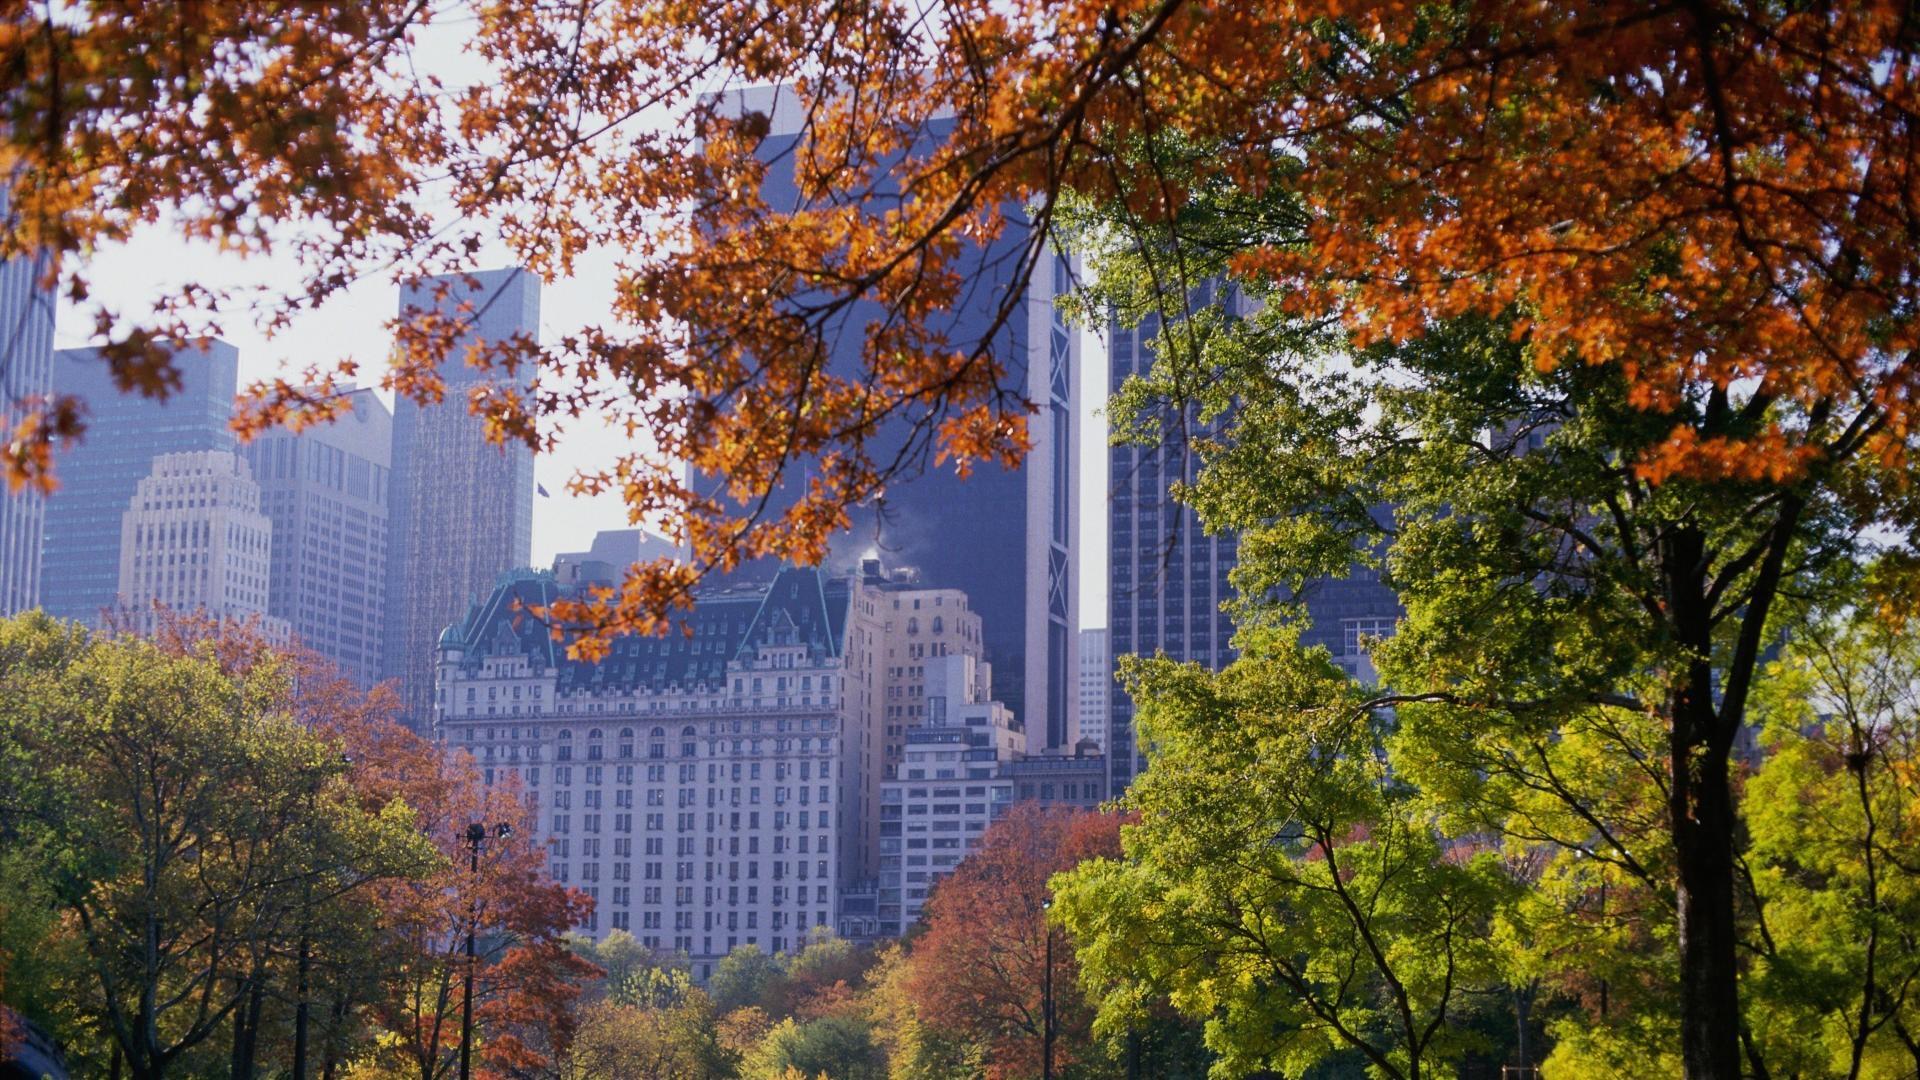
point(1046, 998)
point(476, 836)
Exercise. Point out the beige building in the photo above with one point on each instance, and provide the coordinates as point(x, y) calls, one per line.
point(194, 539)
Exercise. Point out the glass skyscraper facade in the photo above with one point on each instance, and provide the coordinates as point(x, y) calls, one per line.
point(1007, 538)
point(461, 509)
point(80, 549)
point(1168, 578)
point(26, 372)
point(326, 491)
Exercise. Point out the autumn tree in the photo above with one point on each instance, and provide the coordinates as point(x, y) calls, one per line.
point(914, 1049)
point(660, 1039)
point(183, 822)
point(526, 977)
point(979, 973)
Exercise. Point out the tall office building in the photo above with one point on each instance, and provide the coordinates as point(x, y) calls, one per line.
point(1096, 688)
point(80, 548)
point(461, 509)
point(26, 372)
point(1006, 538)
point(325, 490)
point(1168, 578)
point(193, 539)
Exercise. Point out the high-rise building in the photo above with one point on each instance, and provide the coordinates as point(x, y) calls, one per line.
point(193, 540)
point(708, 789)
point(966, 764)
point(26, 372)
point(325, 489)
point(613, 551)
point(461, 507)
point(1096, 688)
point(80, 548)
point(949, 787)
point(1168, 578)
point(1006, 538)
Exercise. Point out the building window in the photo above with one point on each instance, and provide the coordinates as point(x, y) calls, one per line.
point(1356, 633)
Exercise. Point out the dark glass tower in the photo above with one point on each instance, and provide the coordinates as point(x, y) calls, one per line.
point(1168, 578)
point(80, 552)
point(1005, 537)
point(461, 509)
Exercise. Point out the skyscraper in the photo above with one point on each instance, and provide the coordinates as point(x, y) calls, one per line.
point(80, 550)
point(1006, 538)
point(26, 371)
point(193, 539)
point(1168, 578)
point(1096, 688)
point(325, 490)
point(461, 511)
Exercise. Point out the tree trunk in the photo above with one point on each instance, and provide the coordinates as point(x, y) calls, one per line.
point(300, 1014)
point(1703, 830)
point(246, 1029)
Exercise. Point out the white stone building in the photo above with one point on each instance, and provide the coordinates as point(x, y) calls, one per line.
point(709, 788)
point(193, 539)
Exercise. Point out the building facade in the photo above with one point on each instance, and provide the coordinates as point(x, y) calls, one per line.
point(966, 763)
point(80, 544)
point(1168, 579)
point(461, 508)
point(949, 788)
point(1096, 689)
point(1006, 538)
point(325, 490)
point(26, 373)
point(613, 551)
point(708, 789)
point(194, 540)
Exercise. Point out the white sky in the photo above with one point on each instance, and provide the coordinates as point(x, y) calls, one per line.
point(129, 278)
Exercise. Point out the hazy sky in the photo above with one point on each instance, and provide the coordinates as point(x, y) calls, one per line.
point(128, 278)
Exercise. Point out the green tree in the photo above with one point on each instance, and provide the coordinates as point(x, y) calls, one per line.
point(1281, 884)
point(835, 1047)
point(744, 977)
point(1834, 816)
point(1587, 606)
point(186, 826)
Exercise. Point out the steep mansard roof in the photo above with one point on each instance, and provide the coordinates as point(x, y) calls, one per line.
point(799, 606)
